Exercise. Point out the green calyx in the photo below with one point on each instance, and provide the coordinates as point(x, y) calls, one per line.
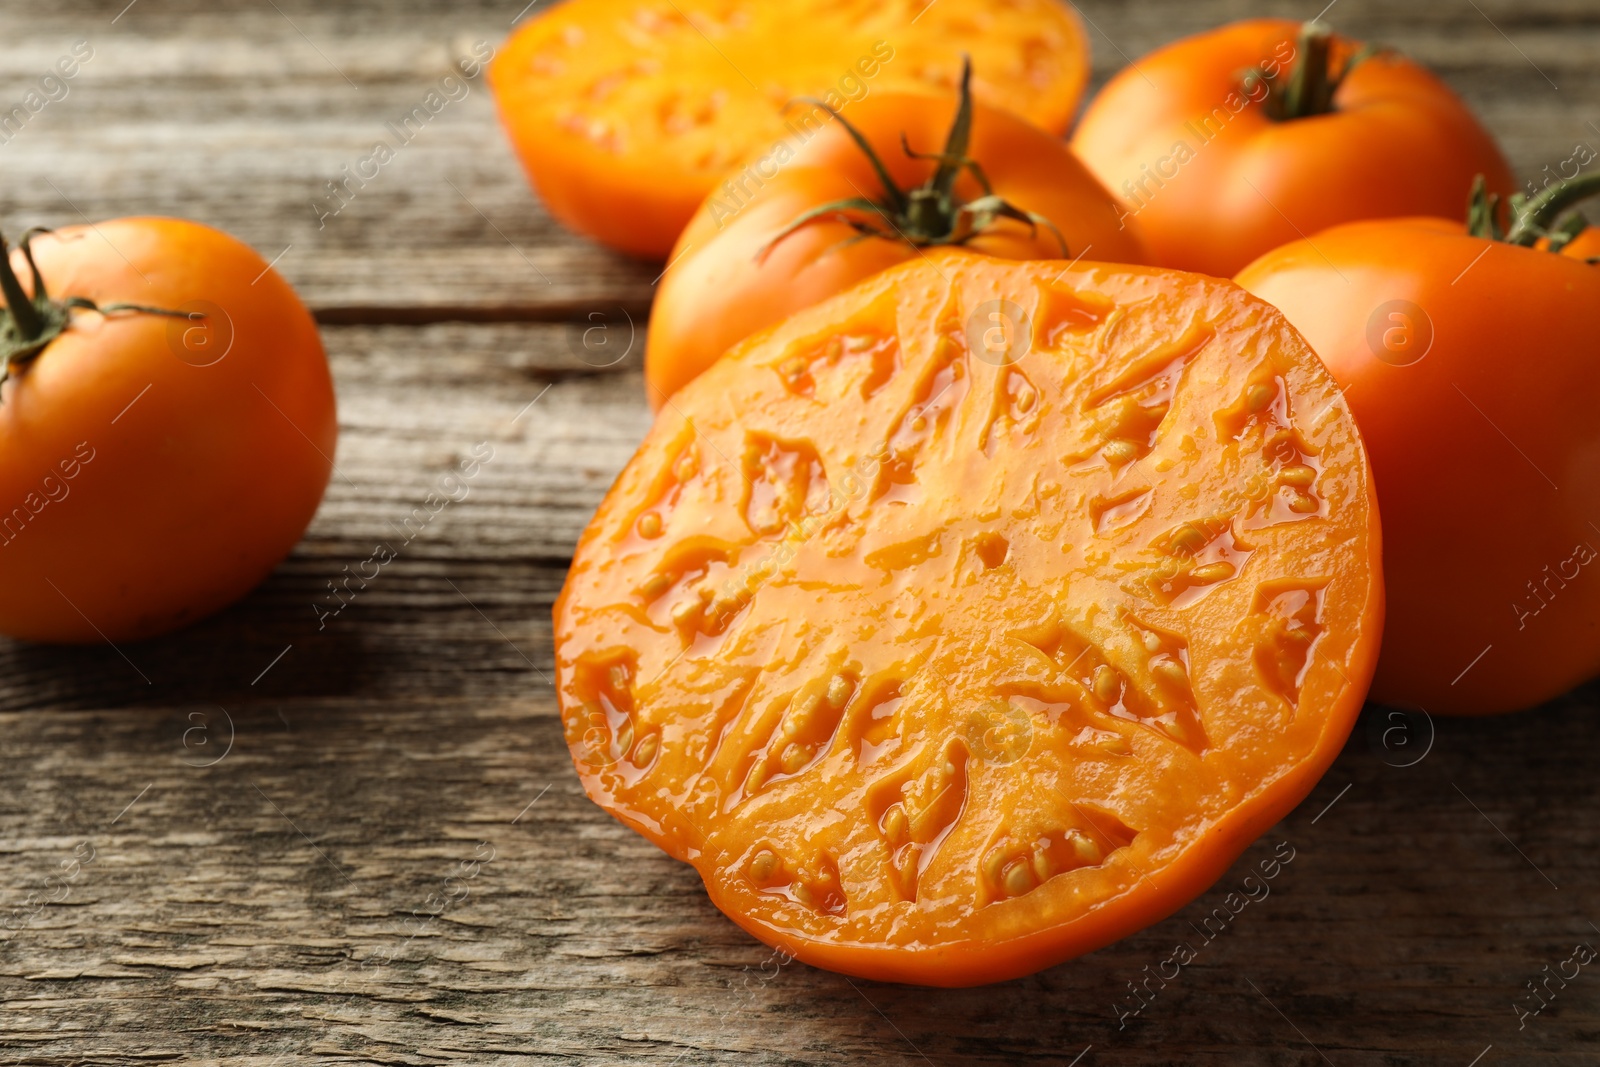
point(1549, 215)
point(1311, 83)
point(29, 324)
point(931, 214)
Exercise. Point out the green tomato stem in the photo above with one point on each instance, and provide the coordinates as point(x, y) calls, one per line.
point(26, 322)
point(1538, 216)
point(1312, 82)
point(931, 214)
point(28, 325)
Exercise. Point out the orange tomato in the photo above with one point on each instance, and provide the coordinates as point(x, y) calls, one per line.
point(1585, 246)
point(154, 467)
point(1468, 364)
point(627, 113)
point(732, 275)
point(1221, 168)
point(942, 663)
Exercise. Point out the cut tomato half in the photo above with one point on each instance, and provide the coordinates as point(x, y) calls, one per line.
point(978, 616)
point(628, 113)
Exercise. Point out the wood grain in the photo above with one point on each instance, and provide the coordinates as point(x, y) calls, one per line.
point(287, 903)
point(247, 913)
point(182, 110)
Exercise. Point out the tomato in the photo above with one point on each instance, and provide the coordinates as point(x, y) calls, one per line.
point(156, 461)
point(736, 270)
point(627, 113)
point(1468, 363)
point(1222, 167)
point(1585, 246)
point(944, 662)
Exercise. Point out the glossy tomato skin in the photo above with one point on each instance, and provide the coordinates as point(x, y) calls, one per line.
point(1217, 182)
point(722, 286)
point(1470, 368)
point(153, 469)
point(1585, 246)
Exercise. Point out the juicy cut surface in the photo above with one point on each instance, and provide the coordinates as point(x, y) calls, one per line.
point(978, 616)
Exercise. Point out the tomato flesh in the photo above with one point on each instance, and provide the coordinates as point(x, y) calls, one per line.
point(627, 113)
point(946, 656)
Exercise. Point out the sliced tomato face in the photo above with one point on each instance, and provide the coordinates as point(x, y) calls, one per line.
point(627, 113)
point(978, 616)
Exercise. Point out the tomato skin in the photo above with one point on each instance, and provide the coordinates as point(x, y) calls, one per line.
point(1485, 450)
point(169, 488)
point(590, 191)
point(721, 289)
point(1400, 143)
point(1584, 246)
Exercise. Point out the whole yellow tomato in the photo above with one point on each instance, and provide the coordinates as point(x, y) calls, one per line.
point(1230, 143)
point(166, 430)
point(1467, 356)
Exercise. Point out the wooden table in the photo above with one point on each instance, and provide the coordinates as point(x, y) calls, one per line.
point(258, 816)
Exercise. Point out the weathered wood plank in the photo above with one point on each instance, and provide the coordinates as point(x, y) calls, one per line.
point(287, 904)
point(240, 113)
point(227, 913)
